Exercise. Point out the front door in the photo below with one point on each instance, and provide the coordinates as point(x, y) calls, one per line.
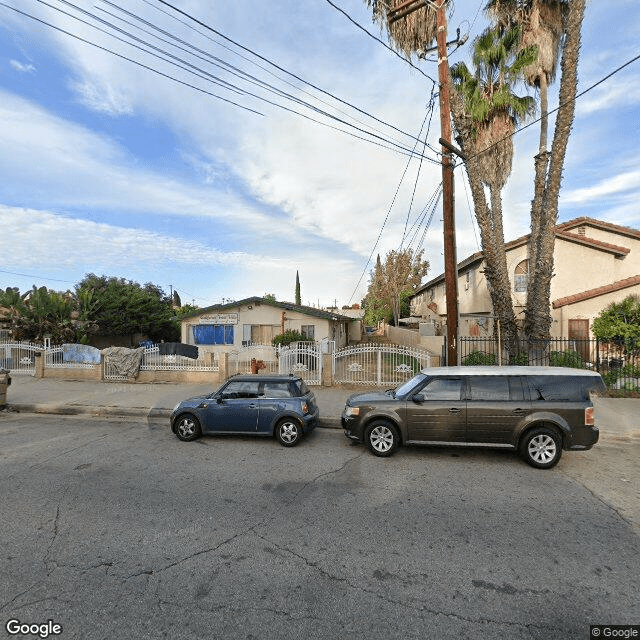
point(579, 331)
point(235, 408)
point(437, 412)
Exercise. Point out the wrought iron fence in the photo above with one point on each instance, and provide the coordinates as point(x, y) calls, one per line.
point(619, 366)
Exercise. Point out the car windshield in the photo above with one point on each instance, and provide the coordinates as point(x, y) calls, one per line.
point(405, 388)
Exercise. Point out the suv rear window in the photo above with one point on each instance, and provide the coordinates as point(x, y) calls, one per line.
point(562, 388)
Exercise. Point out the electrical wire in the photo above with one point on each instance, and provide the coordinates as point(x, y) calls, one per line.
point(404, 173)
point(384, 44)
point(255, 54)
point(384, 143)
point(263, 58)
point(123, 57)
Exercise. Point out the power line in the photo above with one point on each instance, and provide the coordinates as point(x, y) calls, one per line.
point(123, 57)
point(560, 106)
point(384, 44)
point(386, 143)
point(264, 59)
point(404, 173)
point(334, 97)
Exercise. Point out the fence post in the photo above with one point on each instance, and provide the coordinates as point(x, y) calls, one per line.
point(379, 367)
point(223, 364)
point(326, 379)
point(39, 373)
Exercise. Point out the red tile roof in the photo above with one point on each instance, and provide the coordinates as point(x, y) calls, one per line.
point(598, 291)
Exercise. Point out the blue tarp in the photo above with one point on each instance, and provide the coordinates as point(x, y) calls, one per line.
point(81, 353)
point(213, 334)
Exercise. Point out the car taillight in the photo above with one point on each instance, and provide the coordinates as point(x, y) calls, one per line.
point(588, 416)
point(305, 407)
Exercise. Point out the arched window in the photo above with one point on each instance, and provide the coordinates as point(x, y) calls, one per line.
point(521, 277)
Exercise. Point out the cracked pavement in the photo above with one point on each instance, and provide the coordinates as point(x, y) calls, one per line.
point(119, 530)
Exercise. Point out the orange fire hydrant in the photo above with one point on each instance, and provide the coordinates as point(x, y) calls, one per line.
point(256, 365)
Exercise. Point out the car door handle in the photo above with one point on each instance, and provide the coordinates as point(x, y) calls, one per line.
point(454, 410)
point(253, 406)
point(518, 412)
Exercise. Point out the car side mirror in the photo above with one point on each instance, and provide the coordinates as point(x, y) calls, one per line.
point(419, 398)
point(220, 399)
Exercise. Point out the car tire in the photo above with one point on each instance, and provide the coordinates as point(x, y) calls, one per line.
point(288, 432)
point(382, 438)
point(188, 427)
point(542, 448)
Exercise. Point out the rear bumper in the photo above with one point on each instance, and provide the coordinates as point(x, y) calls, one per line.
point(583, 439)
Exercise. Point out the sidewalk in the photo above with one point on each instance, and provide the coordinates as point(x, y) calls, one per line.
point(27, 394)
point(617, 418)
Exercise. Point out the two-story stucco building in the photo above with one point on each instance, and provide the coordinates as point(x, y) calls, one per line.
point(256, 320)
point(595, 263)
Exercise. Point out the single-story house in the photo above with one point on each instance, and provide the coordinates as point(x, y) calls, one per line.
point(256, 320)
point(595, 263)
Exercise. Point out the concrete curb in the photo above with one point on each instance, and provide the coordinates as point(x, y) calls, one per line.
point(328, 422)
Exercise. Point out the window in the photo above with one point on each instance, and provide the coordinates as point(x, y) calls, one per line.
point(257, 334)
point(213, 334)
point(276, 390)
point(308, 331)
point(241, 389)
point(521, 277)
point(490, 388)
point(443, 389)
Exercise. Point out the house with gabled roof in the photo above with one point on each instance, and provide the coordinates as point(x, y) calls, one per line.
point(257, 320)
point(595, 263)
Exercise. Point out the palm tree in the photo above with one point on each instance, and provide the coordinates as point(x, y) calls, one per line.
point(486, 112)
point(554, 26)
point(414, 31)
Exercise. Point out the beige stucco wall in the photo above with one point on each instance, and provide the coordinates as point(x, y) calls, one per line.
point(587, 309)
point(577, 268)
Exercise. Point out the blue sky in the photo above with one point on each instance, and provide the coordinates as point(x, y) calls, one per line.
point(107, 167)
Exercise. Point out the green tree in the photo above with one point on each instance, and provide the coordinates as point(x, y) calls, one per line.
point(620, 323)
point(392, 281)
point(486, 111)
point(44, 312)
point(298, 298)
point(122, 307)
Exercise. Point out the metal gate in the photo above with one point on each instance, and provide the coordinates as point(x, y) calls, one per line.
point(304, 359)
point(378, 364)
point(19, 357)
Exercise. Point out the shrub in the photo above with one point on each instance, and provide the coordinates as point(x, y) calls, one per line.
point(520, 358)
point(479, 357)
point(567, 358)
point(289, 336)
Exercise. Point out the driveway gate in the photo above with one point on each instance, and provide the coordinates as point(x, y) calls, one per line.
point(378, 364)
point(19, 357)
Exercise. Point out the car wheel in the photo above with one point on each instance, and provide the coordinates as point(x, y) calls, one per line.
point(542, 448)
point(288, 432)
point(188, 428)
point(382, 438)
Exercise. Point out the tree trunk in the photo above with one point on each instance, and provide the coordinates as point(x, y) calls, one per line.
point(538, 310)
point(491, 231)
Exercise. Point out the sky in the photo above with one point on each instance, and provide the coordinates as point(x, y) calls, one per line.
point(269, 138)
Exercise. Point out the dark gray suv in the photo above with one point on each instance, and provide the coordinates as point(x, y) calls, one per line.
point(538, 411)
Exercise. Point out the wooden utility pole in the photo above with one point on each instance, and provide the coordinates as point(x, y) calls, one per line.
point(449, 225)
point(401, 10)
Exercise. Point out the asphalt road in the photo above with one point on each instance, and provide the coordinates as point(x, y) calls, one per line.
point(118, 530)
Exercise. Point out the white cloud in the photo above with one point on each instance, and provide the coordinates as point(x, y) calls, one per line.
point(22, 67)
point(606, 188)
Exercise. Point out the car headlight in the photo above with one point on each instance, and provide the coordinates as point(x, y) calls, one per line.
point(352, 411)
